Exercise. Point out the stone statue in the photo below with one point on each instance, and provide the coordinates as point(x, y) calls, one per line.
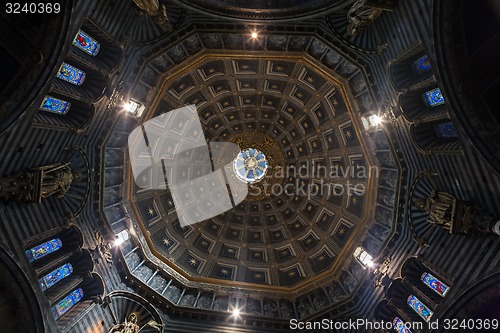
point(335, 293)
point(57, 179)
point(304, 308)
point(364, 13)
point(129, 326)
point(102, 250)
point(319, 300)
point(17, 187)
point(270, 309)
point(457, 216)
point(39, 183)
point(157, 11)
point(286, 310)
point(253, 306)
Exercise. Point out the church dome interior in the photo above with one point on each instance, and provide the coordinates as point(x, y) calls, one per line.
point(248, 166)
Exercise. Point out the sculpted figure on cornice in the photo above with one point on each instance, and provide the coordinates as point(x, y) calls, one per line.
point(129, 326)
point(364, 13)
point(270, 308)
point(457, 216)
point(39, 183)
point(157, 11)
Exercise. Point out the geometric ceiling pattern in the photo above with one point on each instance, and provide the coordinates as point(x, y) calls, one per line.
point(285, 239)
point(296, 98)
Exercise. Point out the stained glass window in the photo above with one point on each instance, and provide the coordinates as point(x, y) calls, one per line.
point(420, 308)
point(44, 249)
point(70, 74)
point(55, 105)
point(445, 130)
point(421, 65)
point(55, 276)
point(400, 326)
point(434, 283)
point(250, 165)
point(67, 303)
point(86, 43)
point(433, 97)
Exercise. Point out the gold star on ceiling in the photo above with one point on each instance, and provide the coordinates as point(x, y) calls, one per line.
point(321, 258)
point(193, 262)
point(211, 70)
point(258, 276)
point(230, 251)
point(279, 68)
point(291, 274)
point(348, 134)
point(245, 67)
point(151, 211)
point(145, 179)
point(224, 271)
point(310, 79)
point(341, 231)
point(257, 254)
point(167, 241)
point(335, 102)
point(354, 200)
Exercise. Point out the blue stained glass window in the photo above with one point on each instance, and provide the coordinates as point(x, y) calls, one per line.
point(433, 97)
point(420, 308)
point(55, 105)
point(59, 309)
point(70, 74)
point(435, 284)
point(421, 65)
point(445, 130)
point(399, 326)
point(55, 276)
point(250, 165)
point(86, 43)
point(44, 249)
